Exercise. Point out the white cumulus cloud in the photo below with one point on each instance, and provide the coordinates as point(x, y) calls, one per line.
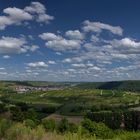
point(39, 64)
point(10, 45)
point(76, 34)
point(98, 27)
point(59, 43)
point(16, 16)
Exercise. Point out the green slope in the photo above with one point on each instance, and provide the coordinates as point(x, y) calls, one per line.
point(115, 85)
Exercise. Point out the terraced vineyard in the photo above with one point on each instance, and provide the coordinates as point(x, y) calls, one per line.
point(75, 101)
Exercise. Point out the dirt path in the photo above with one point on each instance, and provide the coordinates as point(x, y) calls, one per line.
point(71, 119)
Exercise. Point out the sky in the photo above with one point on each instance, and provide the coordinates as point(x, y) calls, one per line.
point(70, 40)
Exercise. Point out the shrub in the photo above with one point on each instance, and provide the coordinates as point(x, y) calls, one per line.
point(73, 128)
point(2, 108)
point(37, 134)
point(16, 114)
point(31, 114)
point(4, 126)
point(49, 124)
point(103, 131)
point(23, 106)
point(30, 123)
point(19, 131)
point(63, 125)
point(98, 129)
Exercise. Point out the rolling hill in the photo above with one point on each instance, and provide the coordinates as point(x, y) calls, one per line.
point(114, 85)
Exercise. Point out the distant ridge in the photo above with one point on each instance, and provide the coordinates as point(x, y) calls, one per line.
point(114, 85)
point(132, 85)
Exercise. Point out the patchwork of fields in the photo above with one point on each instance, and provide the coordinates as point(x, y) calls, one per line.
point(75, 101)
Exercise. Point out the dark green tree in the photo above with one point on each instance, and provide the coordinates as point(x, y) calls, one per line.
point(16, 114)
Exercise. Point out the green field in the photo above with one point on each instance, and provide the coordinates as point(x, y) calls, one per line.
point(75, 101)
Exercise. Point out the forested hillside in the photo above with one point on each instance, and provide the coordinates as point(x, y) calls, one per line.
point(115, 85)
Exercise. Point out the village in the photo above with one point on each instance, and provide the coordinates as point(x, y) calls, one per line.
point(27, 89)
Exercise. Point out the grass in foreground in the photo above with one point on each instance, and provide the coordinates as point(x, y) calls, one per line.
point(20, 131)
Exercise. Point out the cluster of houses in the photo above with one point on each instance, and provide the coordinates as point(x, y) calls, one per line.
point(27, 89)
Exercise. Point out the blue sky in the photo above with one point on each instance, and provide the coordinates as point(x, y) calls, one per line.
point(73, 40)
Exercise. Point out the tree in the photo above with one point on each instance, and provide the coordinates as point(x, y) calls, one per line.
point(16, 114)
point(2, 108)
point(31, 114)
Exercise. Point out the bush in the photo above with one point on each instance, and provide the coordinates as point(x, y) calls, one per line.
point(49, 124)
point(19, 131)
point(2, 108)
point(103, 131)
point(23, 106)
point(73, 128)
point(16, 114)
point(63, 125)
point(4, 126)
point(31, 114)
point(30, 123)
point(98, 129)
point(38, 133)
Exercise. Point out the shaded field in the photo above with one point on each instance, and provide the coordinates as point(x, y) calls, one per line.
point(71, 119)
